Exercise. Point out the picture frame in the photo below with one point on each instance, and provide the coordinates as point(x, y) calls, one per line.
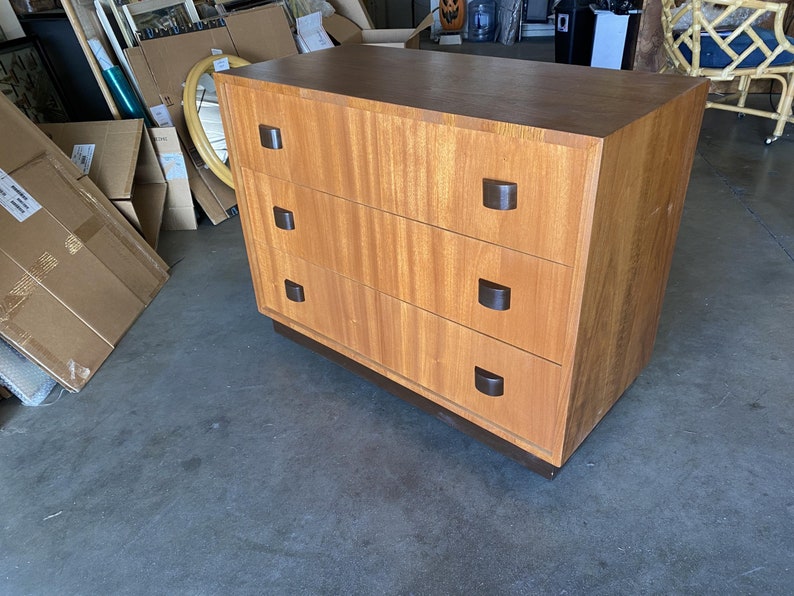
point(160, 14)
point(27, 79)
point(124, 34)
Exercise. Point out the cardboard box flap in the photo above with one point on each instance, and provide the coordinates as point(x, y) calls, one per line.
point(148, 169)
point(112, 161)
point(355, 11)
point(341, 29)
point(146, 82)
point(148, 204)
point(171, 58)
point(345, 31)
point(261, 33)
point(179, 212)
point(398, 38)
point(216, 199)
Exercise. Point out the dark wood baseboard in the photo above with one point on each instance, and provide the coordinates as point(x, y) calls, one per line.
point(457, 422)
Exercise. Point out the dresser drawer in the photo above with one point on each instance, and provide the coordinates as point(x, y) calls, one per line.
point(512, 296)
point(421, 169)
point(429, 350)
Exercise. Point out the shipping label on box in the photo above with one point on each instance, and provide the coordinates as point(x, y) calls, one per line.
point(16, 200)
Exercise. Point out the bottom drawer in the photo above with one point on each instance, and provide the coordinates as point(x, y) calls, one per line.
point(494, 383)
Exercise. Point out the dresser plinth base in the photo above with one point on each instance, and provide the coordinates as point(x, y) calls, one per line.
point(452, 419)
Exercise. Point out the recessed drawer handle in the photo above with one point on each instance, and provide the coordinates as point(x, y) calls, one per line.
point(284, 218)
point(294, 291)
point(488, 383)
point(499, 195)
point(493, 295)
point(270, 137)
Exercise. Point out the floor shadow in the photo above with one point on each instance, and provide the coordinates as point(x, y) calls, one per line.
point(8, 409)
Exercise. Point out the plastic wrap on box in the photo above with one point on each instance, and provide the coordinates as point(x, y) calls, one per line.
point(23, 378)
point(509, 20)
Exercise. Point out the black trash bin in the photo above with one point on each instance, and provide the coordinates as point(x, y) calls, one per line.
point(574, 24)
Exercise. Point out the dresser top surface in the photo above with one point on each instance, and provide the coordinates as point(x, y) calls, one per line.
point(577, 99)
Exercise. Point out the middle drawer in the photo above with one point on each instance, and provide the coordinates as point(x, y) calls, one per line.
point(508, 295)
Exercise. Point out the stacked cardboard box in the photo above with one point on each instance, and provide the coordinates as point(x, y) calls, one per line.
point(161, 66)
point(119, 157)
point(74, 274)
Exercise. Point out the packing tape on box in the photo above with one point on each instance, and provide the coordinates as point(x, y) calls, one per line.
point(96, 224)
point(42, 267)
point(16, 298)
point(73, 244)
point(87, 230)
point(26, 285)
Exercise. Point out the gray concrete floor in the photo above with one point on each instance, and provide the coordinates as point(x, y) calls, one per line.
point(210, 456)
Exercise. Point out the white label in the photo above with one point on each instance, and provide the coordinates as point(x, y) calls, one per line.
point(216, 52)
point(82, 156)
point(161, 115)
point(15, 199)
point(221, 65)
point(173, 165)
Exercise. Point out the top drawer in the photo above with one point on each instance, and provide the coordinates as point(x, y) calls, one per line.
point(422, 170)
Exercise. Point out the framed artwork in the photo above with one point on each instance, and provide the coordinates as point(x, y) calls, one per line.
point(160, 14)
point(28, 81)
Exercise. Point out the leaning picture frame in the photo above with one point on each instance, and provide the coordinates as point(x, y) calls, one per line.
point(115, 7)
point(27, 79)
point(160, 14)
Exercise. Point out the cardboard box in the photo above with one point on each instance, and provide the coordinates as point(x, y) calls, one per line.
point(179, 213)
point(351, 24)
point(355, 11)
point(119, 157)
point(74, 274)
point(257, 35)
point(150, 94)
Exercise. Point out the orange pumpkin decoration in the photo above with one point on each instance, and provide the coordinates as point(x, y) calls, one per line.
point(452, 14)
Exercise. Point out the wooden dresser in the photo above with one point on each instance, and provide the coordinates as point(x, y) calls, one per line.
point(488, 238)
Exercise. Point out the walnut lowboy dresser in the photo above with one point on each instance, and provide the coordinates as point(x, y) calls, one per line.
point(487, 238)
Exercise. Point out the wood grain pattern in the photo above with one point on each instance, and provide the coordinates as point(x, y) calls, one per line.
point(440, 356)
point(638, 209)
point(418, 399)
point(383, 161)
point(554, 97)
point(384, 176)
point(392, 254)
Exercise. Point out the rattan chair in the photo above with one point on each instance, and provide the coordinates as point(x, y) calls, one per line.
point(724, 41)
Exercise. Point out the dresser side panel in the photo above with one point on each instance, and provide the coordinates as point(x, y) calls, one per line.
point(642, 184)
